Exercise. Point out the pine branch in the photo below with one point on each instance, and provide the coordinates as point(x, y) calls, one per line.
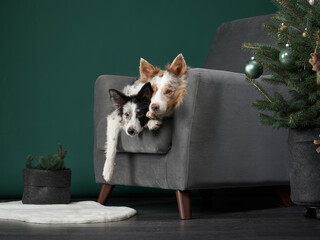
point(274, 37)
point(270, 69)
point(286, 5)
point(257, 47)
point(266, 57)
point(306, 7)
point(281, 19)
point(265, 52)
point(274, 80)
point(300, 53)
point(274, 29)
point(262, 105)
point(259, 88)
point(274, 122)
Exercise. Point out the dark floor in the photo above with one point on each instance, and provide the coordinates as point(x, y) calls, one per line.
point(214, 218)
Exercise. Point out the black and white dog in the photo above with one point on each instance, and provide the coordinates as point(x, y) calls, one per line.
point(131, 107)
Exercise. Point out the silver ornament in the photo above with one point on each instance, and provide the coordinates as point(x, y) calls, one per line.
point(283, 27)
point(312, 2)
point(305, 33)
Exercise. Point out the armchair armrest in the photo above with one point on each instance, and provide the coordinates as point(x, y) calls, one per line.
point(217, 139)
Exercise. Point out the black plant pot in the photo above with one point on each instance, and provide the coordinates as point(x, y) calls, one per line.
point(46, 187)
point(304, 167)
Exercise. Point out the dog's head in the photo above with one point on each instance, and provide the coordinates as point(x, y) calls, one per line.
point(169, 86)
point(132, 109)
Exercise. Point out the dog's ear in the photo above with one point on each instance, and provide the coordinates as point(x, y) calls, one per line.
point(147, 71)
point(178, 67)
point(118, 98)
point(145, 93)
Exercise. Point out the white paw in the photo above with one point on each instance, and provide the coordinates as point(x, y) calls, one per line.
point(150, 115)
point(107, 175)
point(107, 172)
point(154, 124)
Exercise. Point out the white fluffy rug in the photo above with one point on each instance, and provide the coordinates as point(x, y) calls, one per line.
point(76, 212)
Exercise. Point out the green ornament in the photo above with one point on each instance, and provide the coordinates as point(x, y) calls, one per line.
point(287, 57)
point(253, 69)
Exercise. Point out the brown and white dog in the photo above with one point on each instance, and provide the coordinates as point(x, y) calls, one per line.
point(169, 88)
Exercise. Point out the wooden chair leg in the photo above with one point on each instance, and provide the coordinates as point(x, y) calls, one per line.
point(105, 192)
point(284, 195)
point(184, 204)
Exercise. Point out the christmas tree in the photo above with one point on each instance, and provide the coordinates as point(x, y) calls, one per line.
point(292, 62)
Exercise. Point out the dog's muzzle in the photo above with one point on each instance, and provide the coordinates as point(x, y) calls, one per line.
point(131, 132)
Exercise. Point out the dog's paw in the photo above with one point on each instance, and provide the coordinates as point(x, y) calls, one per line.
point(150, 115)
point(107, 171)
point(107, 174)
point(154, 124)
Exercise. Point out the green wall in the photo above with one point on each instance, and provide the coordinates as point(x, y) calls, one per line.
point(51, 52)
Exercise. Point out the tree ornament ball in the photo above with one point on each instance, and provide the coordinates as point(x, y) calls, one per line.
point(253, 69)
point(286, 57)
point(283, 27)
point(312, 2)
point(305, 33)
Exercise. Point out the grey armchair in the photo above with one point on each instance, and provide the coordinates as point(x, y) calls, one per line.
point(214, 139)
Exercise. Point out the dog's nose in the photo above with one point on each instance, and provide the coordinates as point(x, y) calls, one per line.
point(131, 131)
point(155, 107)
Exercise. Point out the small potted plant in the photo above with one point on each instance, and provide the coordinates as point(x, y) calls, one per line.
point(47, 182)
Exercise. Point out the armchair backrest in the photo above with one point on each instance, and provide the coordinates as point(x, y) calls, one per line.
point(226, 53)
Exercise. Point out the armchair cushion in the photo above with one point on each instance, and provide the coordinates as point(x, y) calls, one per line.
point(156, 142)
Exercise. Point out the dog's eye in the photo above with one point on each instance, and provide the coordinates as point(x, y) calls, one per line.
point(140, 114)
point(168, 92)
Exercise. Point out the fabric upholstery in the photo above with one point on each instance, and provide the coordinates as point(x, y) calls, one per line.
point(226, 53)
point(228, 146)
point(216, 142)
